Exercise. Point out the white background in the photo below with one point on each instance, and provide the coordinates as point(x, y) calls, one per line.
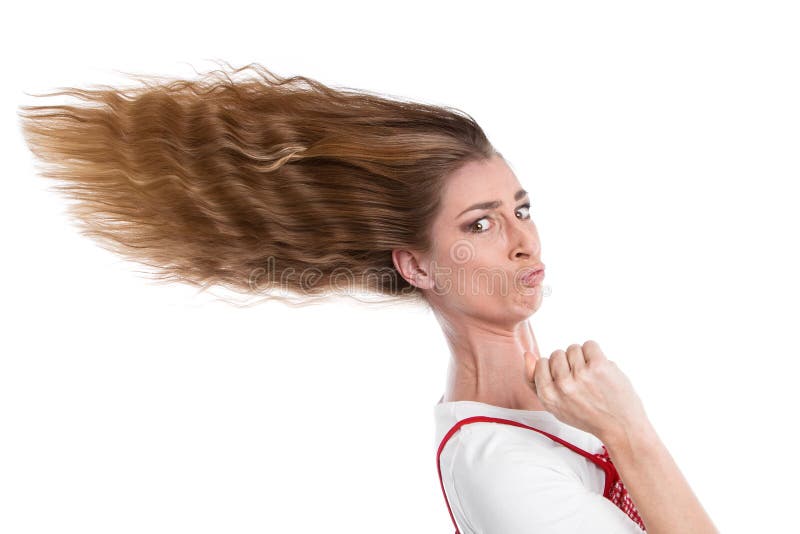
point(660, 146)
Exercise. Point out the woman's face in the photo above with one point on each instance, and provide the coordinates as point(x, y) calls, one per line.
point(481, 254)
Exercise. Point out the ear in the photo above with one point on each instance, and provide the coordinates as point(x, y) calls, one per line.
point(408, 264)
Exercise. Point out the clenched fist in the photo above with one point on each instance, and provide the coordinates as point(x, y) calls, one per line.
point(584, 389)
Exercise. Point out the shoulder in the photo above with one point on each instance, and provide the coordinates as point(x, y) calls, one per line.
point(505, 437)
point(504, 480)
point(486, 451)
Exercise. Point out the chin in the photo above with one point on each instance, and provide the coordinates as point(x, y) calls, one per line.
point(529, 302)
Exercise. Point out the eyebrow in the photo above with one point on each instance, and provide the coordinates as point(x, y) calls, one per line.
point(493, 204)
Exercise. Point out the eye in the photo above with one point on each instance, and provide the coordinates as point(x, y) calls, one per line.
point(525, 208)
point(482, 225)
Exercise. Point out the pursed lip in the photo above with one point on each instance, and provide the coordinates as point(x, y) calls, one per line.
point(532, 273)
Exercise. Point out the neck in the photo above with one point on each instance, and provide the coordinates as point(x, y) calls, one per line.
point(487, 363)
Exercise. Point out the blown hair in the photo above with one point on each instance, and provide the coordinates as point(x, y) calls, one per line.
point(255, 184)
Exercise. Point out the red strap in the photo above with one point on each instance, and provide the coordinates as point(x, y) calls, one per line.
point(614, 490)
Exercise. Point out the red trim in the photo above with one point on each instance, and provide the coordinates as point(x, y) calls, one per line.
point(598, 459)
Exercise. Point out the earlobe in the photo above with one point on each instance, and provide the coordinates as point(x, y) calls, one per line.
point(420, 279)
point(402, 263)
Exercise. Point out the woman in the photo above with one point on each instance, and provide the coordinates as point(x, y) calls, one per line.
point(271, 184)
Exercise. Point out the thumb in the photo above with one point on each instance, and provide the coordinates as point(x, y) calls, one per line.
point(530, 365)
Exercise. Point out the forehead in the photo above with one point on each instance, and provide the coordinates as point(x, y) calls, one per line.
point(479, 181)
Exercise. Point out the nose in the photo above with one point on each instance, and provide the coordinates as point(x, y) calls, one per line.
point(524, 240)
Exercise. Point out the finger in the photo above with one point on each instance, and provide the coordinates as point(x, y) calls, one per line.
point(541, 375)
point(575, 357)
point(559, 366)
point(530, 365)
point(592, 352)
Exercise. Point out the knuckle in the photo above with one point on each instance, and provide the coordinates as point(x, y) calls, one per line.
point(604, 367)
point(593, 349)
point(540, 366)
point(567, 387)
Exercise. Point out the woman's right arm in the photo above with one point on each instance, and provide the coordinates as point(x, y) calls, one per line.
point(663, 498)
point(584, 389)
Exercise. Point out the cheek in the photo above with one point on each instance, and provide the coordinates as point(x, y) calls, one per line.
point(453, 250)
point(454, 257)
point(479, 282)
point(468, 274)
point(492, 289)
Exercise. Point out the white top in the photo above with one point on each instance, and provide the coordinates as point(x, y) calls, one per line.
point(503, 479)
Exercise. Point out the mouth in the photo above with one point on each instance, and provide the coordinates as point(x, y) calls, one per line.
point(533, 277)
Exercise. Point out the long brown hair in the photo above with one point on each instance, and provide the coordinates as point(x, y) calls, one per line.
point(254, 184)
